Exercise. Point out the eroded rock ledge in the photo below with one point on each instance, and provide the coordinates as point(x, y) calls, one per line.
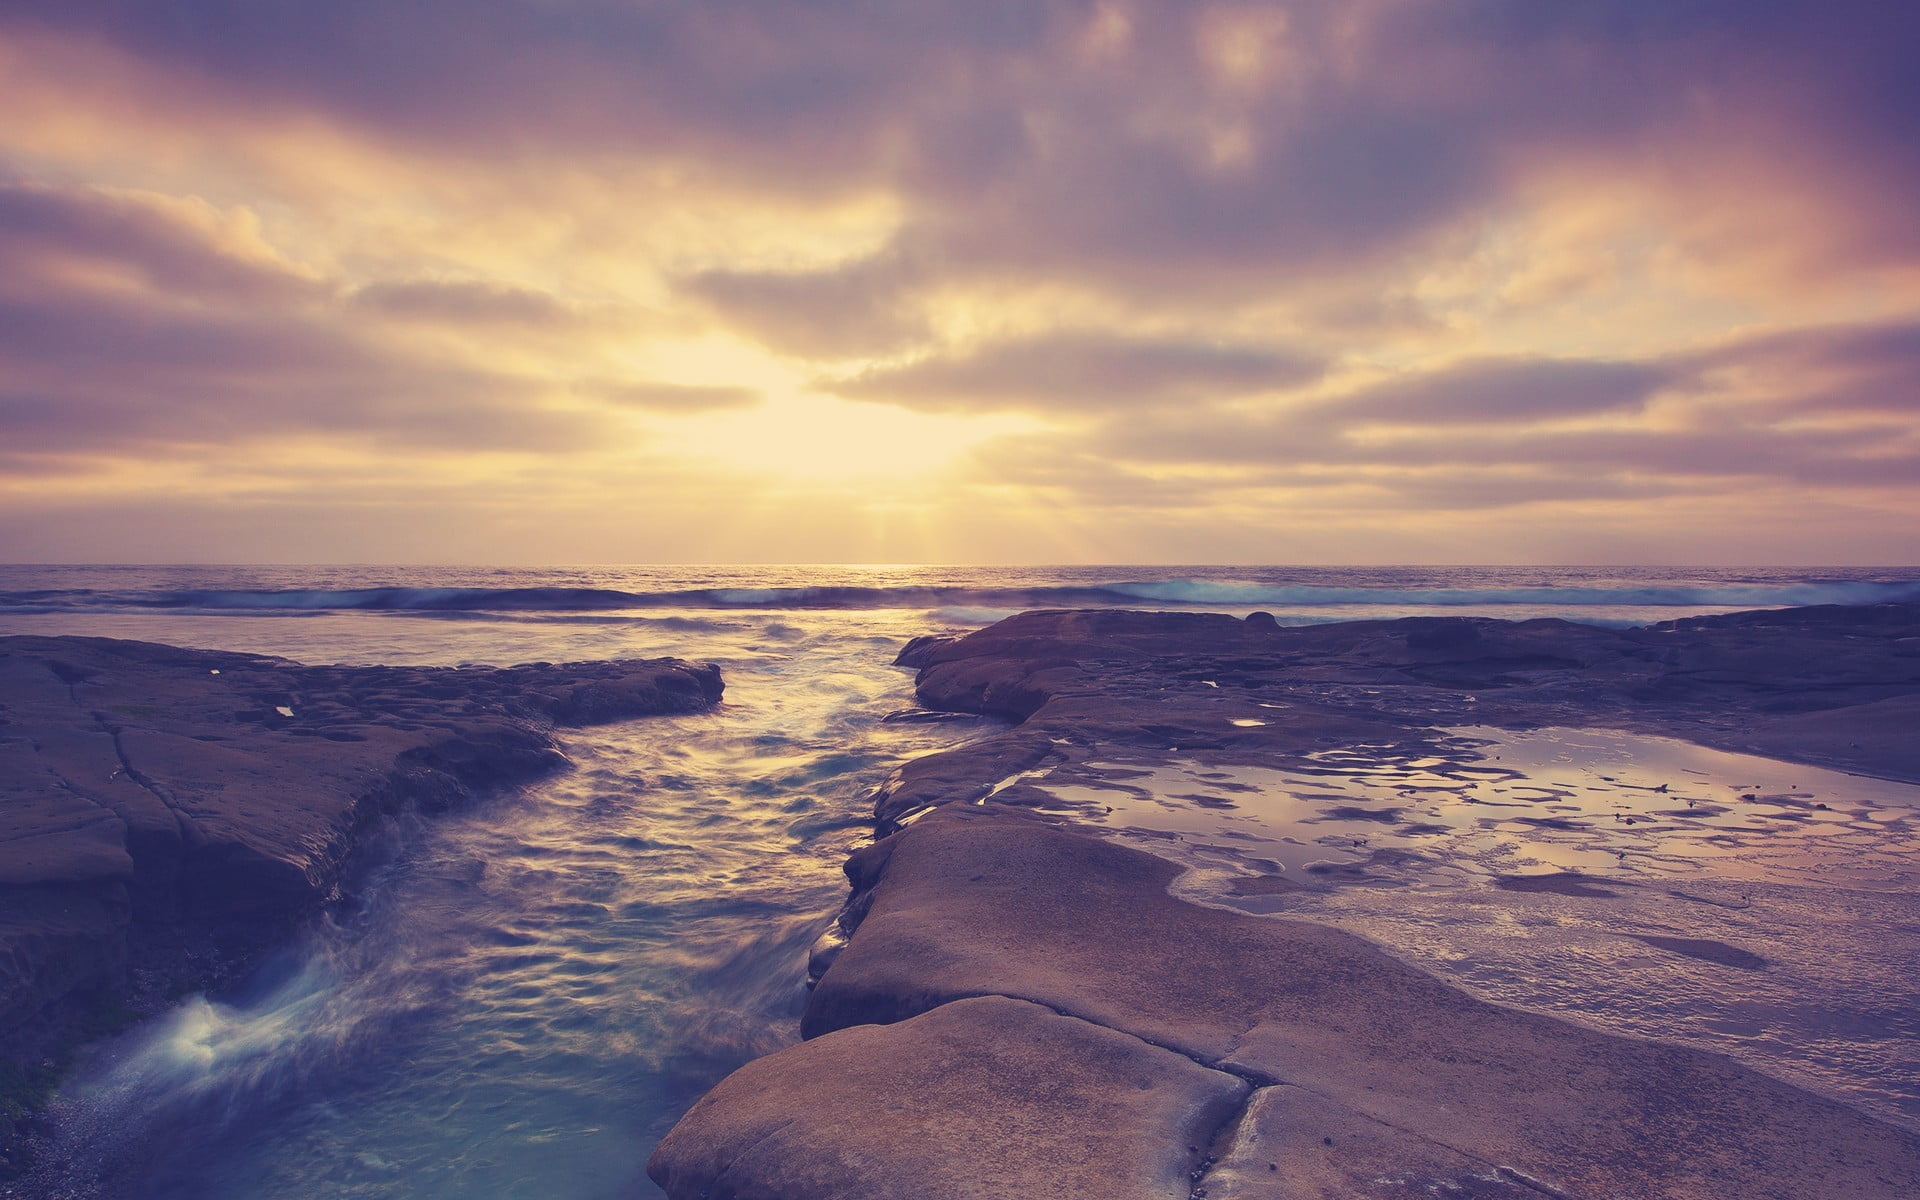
point(951, 1047)
point(1830, 686)
point(165, 813)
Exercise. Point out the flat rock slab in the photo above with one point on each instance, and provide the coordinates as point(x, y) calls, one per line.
point(165, 812)
point(977, 901)
point(981, 1099)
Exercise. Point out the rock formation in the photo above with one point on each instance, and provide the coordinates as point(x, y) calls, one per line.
point(167, 813)
point(1023, 1005)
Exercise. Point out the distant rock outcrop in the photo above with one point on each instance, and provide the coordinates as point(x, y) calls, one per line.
point(1831, 686)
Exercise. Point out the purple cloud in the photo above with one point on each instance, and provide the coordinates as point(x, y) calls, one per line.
point(1505, 390)
point(213, 348)
point(862, 308)
point(41, 227)
point(1385, 125)
point(1088, 372)
point(461, 302)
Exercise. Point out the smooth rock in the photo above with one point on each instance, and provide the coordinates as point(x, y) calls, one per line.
point(982, 1099)
point(979, 901)
point(1379, 1082)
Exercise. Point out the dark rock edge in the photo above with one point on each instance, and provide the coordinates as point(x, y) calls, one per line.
point(163, 824)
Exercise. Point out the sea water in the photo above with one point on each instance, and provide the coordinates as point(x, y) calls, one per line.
point(530, 992)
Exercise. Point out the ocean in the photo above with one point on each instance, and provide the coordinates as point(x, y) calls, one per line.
point(134, 597)
point(536, 987)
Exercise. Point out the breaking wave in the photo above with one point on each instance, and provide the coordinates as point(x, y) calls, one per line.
point(1196, 593)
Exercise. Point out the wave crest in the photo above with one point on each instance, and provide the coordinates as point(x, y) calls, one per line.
point(1196, 592)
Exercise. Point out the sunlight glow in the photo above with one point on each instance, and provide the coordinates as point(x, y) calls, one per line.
point(821, 439)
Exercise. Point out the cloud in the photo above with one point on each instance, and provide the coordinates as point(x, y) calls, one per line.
point(1483, 433)
point(1505, 390)
point(157, 242)
point(1055, 467)
point(859, 309)
point(1141, 144)
point(1082, 372)
point(1079, 477)
point(674, 397)
point(1862, 368)
point(1702, 452)
point(1452, 490)
point(1475, 410)
point(1631, 250)
point(460, 302)
point(126, 328)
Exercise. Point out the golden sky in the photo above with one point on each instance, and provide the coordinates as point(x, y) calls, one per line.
point(540, 281)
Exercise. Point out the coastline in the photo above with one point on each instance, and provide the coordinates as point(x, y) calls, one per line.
point(172, 814)
point(1310, 1061)
point(1051, 920)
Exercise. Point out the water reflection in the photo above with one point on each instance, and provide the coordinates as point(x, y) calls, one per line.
point(1642, 885)
point(1491, 802)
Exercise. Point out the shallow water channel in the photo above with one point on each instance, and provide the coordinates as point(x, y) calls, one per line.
point(528, 995)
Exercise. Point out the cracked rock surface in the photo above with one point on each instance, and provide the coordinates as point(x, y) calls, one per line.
point(980, 901)
point(1361, 1076)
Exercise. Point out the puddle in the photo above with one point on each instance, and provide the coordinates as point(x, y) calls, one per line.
point(1009, 781)
point(1491, 803)
point(1641, 885)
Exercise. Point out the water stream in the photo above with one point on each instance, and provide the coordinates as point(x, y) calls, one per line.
point(525, 999)
point(525, 995)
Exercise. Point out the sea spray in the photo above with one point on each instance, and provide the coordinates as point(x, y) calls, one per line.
point(212, 1066)
point(524, 1000)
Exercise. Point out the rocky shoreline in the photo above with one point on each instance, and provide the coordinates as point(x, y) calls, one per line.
point(168, 814)
point(1029, 995)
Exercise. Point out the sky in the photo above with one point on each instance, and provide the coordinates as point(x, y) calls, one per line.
point(573, 281)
